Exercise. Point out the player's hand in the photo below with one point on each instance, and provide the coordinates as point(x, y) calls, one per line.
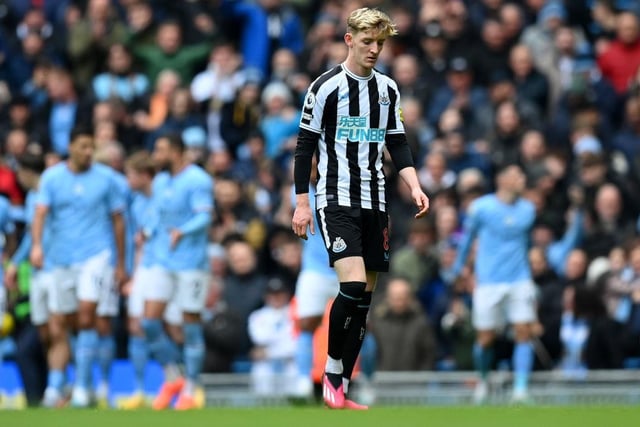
point(138, 239)
point(36, 256)
point(302, 218)
point(126, 288)
point(174, 238)
point(10, 276)
point(120, 275)
point(421, 201)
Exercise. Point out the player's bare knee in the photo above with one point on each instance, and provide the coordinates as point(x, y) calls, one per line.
point(154, 309)
point(57, 329)
point(103, 325)
point(190, 317)
point(134, 327)
point(175, 332)
point(86, 319)
point(485, 338)
point(522, 332)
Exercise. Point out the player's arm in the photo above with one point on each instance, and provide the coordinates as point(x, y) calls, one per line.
point(305, 148)
point(117, 221)
point(403, 161)
point(37, 230)
point(202, 207)
point(470, 229)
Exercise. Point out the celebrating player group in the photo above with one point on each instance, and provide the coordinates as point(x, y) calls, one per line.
point(90, 228)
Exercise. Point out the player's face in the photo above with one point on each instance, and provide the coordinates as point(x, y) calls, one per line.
point(364, 49)
point(514, 180)
point(162, 154)
point(81, 151)
point(135, 179)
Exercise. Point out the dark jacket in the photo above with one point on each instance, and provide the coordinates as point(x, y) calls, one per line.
point(405, 342)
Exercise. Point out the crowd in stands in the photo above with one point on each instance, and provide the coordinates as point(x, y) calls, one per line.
point(552, 85)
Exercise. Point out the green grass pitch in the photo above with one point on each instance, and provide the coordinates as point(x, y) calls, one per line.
point(494, 416)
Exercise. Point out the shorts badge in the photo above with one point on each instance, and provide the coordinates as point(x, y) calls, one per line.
point(339, 245)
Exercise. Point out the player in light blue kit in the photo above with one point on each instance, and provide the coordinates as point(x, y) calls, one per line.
point(83, 205)
point(41, 302)
point(317, 284)
point(140, 170)
point(183, 198)
point(504, 288)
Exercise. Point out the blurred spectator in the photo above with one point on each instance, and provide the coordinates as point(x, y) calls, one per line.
point(239, 119)
point(34, 88)
point(530, 83)
point(493, 51)
point(273, 369)
point(30, 48)
point(561, 64)
point(550, 297)
point(244, 285)
point(9, 187)
point(284, 254)
point(222, 329)
point(456, 27)
point(319, 40)
point(285, 68)
point(419, 133)
point(141, 24)
point(501, 88)
point(460, 92)
point(21, 117)
point(182, 115)
point(456, 326)
point(504, 140)
point(574, 333)
point(279, 123)
point(433, 53)
point(407, 74)
point(15, 145)
point(215, 86)
point(627, 139)
point(434, 175)
point(120, 80)
point(63, 110)
point(460, 156)
point(619, 62)
point(399, 322)
point(150, 117)
point(417, 261)
point(169, 53)
point(610, 226)
point(91, 37)
point(482, 11)
point(512, 18)
point(232, 212)
point(539, 37)
point(264, 27)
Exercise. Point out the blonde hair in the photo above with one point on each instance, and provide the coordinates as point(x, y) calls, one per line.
point(364, 19)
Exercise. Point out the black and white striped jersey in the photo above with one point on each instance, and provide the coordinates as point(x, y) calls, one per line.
point(353, 116)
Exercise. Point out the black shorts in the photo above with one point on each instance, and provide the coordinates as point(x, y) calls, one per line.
point(355, 232)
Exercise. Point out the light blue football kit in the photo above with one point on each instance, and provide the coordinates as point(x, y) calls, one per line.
point(504, 287)
point(182, 202)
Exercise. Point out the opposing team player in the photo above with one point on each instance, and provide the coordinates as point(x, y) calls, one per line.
point(505, 291)
point(350, 114)
point(182, 194)
point(83, 204)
